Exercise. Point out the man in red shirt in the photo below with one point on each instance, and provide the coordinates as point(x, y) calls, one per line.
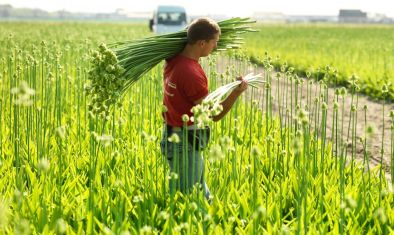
point(186, 85)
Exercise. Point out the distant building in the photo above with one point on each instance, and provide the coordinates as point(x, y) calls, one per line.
point(311, 19)
point(216, 17)
point(5, 10)
point(352, 16)
point(268, 17)
point(139, 15)
point(379, 18)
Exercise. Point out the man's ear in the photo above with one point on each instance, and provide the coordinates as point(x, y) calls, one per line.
point(201, 43)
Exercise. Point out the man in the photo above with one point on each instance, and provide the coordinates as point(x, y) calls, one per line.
point(186, 85)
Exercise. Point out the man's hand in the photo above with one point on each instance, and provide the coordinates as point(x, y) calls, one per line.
point(229, 101)
point(241, 87)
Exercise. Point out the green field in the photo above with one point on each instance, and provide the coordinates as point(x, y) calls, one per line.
point(365, 51)
point(66, 171)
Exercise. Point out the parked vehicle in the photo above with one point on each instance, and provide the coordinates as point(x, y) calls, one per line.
point(168, 19)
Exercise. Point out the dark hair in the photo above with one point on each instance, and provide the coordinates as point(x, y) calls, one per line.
point(202, 29)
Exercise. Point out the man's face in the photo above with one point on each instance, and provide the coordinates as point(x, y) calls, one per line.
point(210, 45)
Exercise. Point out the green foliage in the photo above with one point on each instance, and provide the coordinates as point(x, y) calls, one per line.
point(366, 51)
point(65, 171)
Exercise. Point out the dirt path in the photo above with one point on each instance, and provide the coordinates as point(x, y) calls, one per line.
point(373, 117)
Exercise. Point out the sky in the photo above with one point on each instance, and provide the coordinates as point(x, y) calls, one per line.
point(209, 7)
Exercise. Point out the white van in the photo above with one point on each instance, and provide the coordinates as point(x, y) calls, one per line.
point(168, 19)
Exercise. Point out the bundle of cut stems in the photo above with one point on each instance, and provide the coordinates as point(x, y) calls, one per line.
point(220, 94)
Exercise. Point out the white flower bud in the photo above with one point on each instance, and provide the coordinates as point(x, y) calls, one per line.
point(185, 118)
point(61, 226)
point(43, 165)
point(174, 138)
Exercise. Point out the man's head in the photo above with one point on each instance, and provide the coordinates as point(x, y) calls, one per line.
point(203, 33)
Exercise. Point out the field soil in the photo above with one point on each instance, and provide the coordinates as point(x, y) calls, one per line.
point(381, 125)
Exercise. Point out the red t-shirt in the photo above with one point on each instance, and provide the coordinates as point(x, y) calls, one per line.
point(184, 83)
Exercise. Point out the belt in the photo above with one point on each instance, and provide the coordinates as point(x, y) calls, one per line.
point(178, 129)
